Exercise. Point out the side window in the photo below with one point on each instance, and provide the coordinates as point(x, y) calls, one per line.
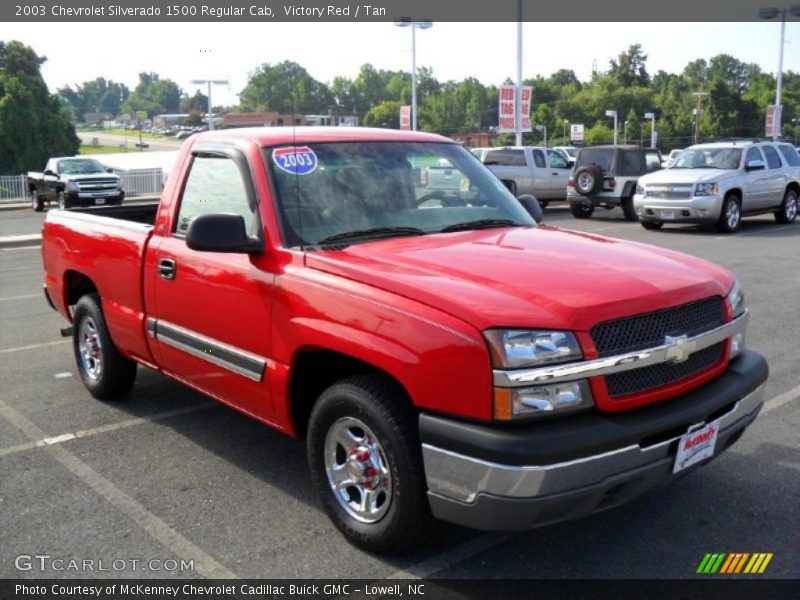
point(773, 160)
point(790, 155)
point(652, 161)
point(538, 159)
point(557, 161)
point(505, 158)
point(753, 153)
point(214, 185)
point(632, 163)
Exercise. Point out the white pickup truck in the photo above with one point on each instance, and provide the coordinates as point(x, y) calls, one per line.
point(541, 172)
point(720, 183)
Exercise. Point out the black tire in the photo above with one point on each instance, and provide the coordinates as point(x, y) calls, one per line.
point(37, 202)
point(730, 217)
point(588, 180)
point(511, 185)
point(543, 203)
point(628, 209)
point(580, 210)
point(116, 375)
point(63, 203)
point(382, 406)
point(787, 214)
point(652, 225)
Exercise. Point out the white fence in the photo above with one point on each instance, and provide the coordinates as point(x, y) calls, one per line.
point(141, 182)
point(13, 188)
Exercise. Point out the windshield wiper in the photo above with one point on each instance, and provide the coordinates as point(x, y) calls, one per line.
point(480, 224)
point(373, 232)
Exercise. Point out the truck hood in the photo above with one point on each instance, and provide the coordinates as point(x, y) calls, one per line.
point(684, 176)
point(543, 277)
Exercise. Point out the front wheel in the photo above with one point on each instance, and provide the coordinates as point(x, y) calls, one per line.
point(652, 225)
point(629, 210)
point(581, 211)
point(788, 210)
point(62, 201)
point(104, 371)
point(730, 218)
point(543, 203)
point(37, 202)
point(366, 463)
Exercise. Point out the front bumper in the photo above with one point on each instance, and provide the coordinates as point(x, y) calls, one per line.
point(522, 476)
point(697, 209)
point(91, 198)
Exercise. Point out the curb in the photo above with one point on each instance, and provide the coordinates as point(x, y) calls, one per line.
point(20, 241)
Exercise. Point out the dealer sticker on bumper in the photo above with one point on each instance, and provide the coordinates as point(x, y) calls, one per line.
point(695, 447)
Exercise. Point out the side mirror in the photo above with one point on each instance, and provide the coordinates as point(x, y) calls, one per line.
point(221, 233)
point(109, 170)
point(532, 206)
point(754, 165)
point(50, 173)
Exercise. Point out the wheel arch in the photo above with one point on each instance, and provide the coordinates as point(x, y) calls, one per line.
point(77, 285)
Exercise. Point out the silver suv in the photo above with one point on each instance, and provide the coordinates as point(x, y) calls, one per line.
point(720, 183)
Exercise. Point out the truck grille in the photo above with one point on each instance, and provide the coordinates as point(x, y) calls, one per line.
point(648, 330)
point(648, 378)
point(90, 185)
point(666, 192)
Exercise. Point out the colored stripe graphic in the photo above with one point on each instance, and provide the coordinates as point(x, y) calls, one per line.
point(728, 564)
point(711, 562)
point(758, 563)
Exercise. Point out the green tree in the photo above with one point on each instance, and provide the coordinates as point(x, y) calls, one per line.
point(197, 103)
point(33, 123)
point(629, 68)
point(286, 88)
point(97, 96)
point(154, 96)
point(384, 114)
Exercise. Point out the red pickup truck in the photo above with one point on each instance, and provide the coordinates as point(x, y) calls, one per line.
point(441, 352)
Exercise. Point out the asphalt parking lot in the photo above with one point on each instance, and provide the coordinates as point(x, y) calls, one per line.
point(169, 475)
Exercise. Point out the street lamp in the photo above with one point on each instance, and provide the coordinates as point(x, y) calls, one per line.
point(613, 113)
point(542, 128)
point(566, 143)
point(697, 112)
point(625, 135)
point(771, 13)
point(652, 117)
point(210, 82)
point(795, 121)
point(407, 22)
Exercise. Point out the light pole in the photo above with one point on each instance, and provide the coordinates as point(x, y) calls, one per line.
point(795, 121)
point(697, 112)
point(652, 117)
point(771, 13)
point(210, 82)
point(542, 128)
point(625, 135)
point(566, 143)
point(613, 113)
point(407, 22)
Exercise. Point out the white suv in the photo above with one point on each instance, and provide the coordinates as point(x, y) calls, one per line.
point(721, 182)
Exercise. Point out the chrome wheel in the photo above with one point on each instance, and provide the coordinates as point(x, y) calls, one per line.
point(357, 469)
point(585, 181)
point(62, 201)
point(34, 199)
point(790, 210)
point(732, 215)
point(90, 349)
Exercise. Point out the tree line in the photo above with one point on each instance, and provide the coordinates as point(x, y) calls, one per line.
point(735, 105)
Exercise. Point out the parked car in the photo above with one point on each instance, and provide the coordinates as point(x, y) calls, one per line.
point(669, 161)
point(606, 176)
point(537, 171)
point(720, 183)
point(74, 181)
point(569, 152)
point(447, 361)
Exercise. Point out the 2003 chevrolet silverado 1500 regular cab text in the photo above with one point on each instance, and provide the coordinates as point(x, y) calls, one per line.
point(440, 352)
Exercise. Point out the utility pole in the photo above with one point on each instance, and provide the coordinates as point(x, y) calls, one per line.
point(518, 95)
point(210, 82)
point(697, 111)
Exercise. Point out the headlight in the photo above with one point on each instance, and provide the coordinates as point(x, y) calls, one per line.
point(735, 300)
point(706, 189)
point(640, 189)
point(73, 186)
point(517, 348)
point(540, 401)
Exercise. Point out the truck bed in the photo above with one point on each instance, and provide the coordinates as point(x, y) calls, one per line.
point(102, 248)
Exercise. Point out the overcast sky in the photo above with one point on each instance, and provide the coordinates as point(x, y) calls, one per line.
point(79, 52)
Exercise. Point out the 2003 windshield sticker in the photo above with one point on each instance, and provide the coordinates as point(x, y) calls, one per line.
point(297, 160)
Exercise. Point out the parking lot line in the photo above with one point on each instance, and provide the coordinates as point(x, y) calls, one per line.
point(20, 297)
point(204, 563)
point(34, 346)
point(785, 398)
point(453, 556)
point(65, 437)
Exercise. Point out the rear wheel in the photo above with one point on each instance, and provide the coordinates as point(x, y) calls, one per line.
point(628, 209)
point(730, 218)
point(104, 371)
point(652, 225)
point(366, 463)
point(788, 210)
point(581, 211)
point(543, 203)
point(511, 186)
point(37, 202)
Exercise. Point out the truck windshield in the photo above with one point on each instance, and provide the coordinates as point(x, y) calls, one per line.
point(348, 192)
point(80, 166)
point(709, 158)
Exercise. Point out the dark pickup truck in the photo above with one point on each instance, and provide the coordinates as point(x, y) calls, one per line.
point(72, 182)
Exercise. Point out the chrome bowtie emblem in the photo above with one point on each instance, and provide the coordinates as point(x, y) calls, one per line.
point(679, 348)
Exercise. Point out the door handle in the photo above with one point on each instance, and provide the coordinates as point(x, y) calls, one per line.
point(167, 268)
